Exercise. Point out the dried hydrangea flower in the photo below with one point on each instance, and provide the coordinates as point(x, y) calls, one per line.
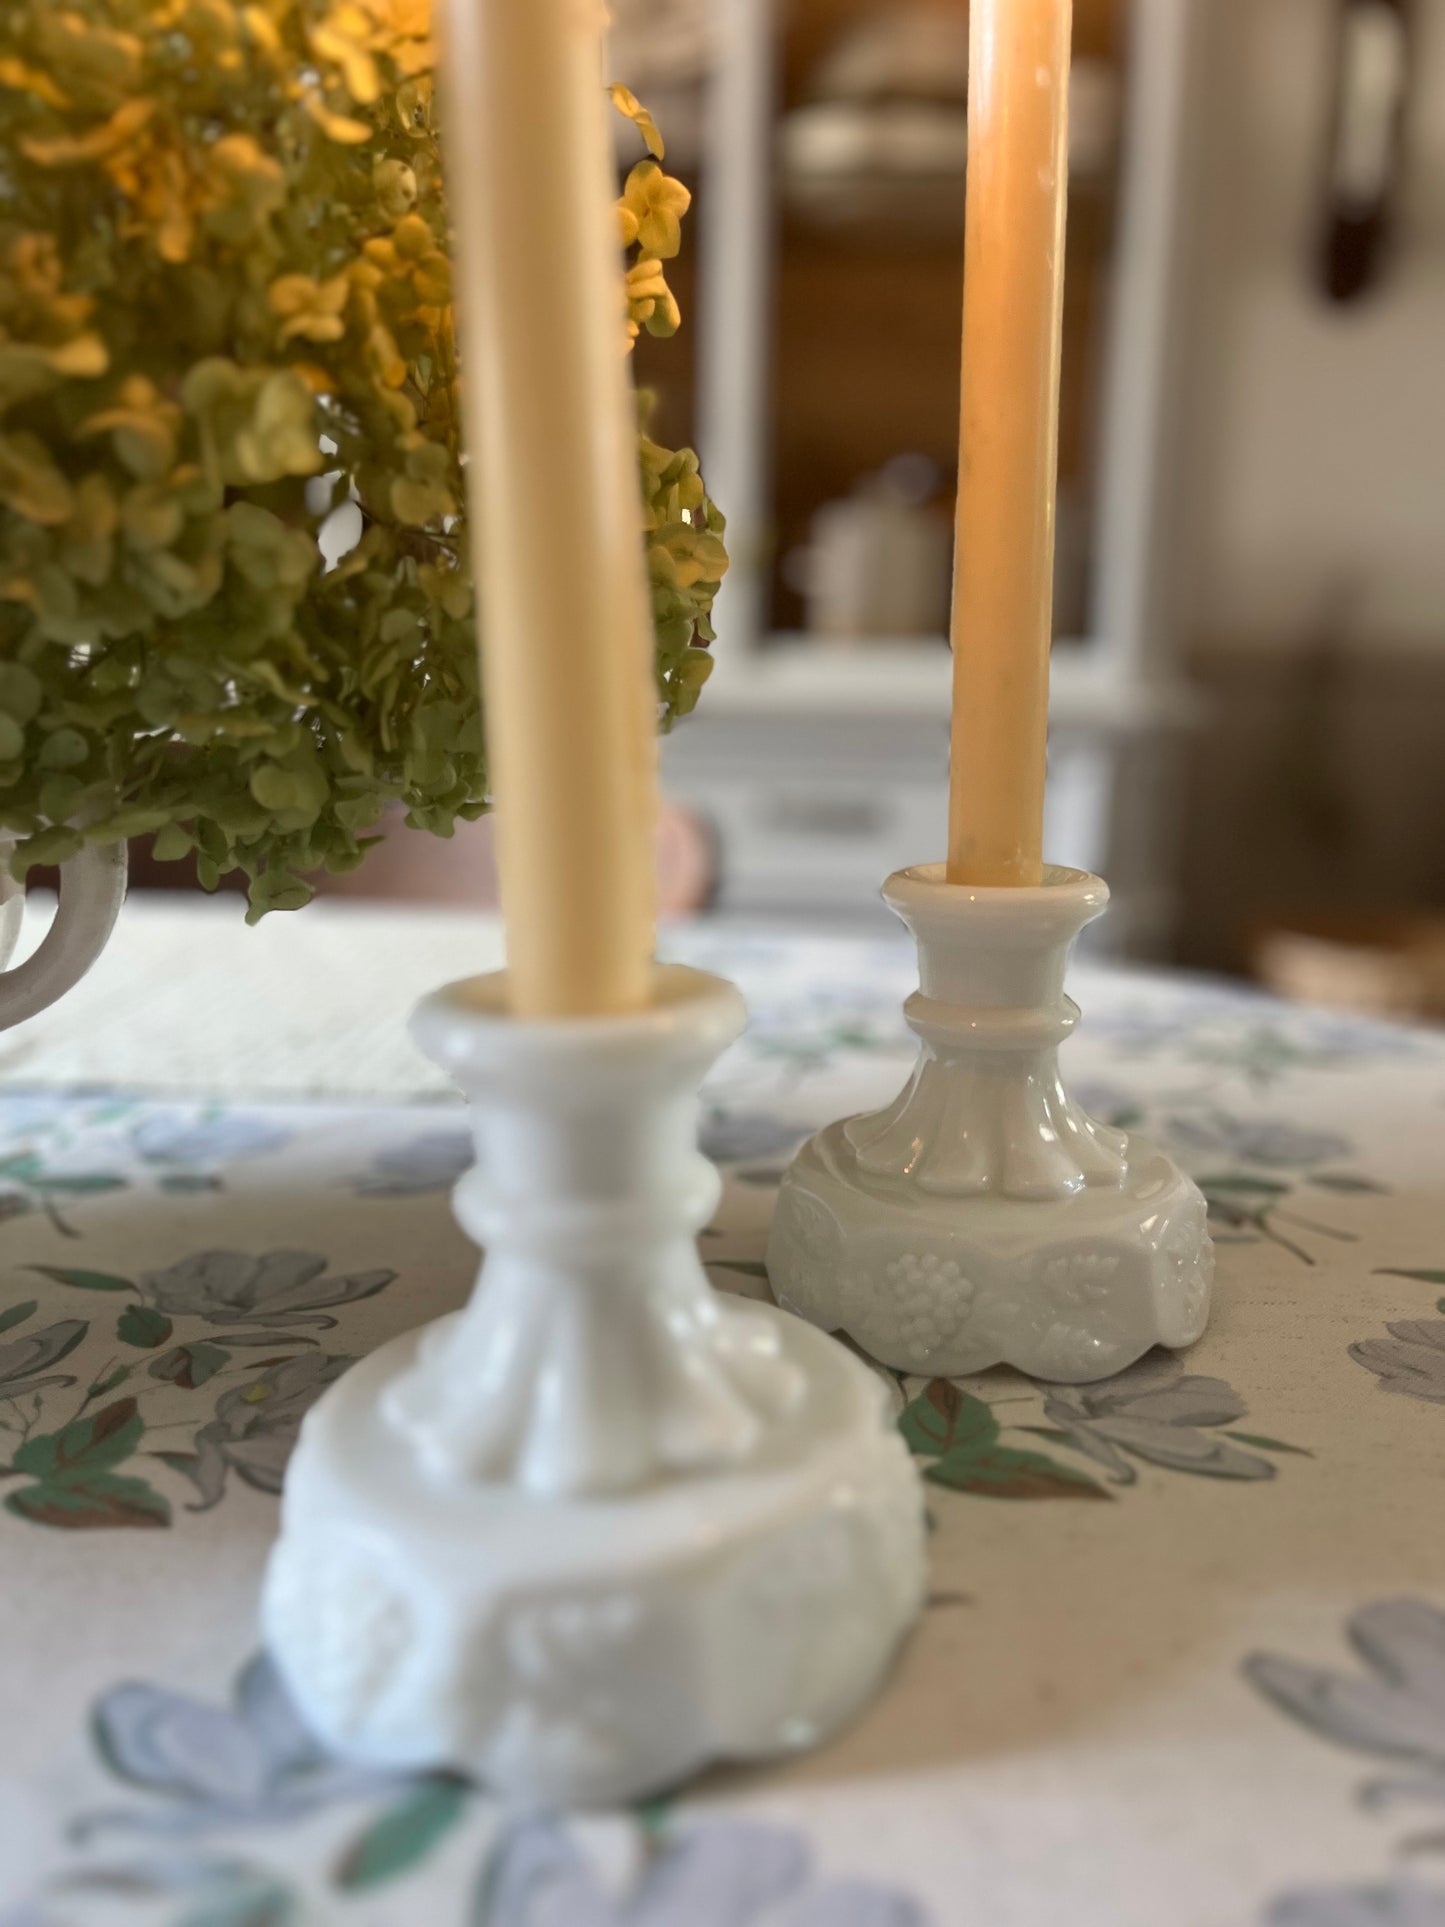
point(225, 311)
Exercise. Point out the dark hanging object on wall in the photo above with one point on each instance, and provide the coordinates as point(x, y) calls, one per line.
point(1366, 144)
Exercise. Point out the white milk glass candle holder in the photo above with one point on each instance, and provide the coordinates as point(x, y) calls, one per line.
point(983, 1217)
point(603, 1525)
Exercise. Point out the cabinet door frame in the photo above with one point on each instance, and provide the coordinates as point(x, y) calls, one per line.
point(1131, 632)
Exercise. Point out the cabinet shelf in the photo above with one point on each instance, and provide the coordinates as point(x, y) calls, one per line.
point(797, 677)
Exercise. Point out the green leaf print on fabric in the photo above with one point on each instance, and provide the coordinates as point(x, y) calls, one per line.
point(82, 1184)
point(83, 1280)
point(1244, 1206)
point(1254, 1171)
point(75, 1484)
point(1263, 1444)
point(26, 1184)
point(86, 1501)
point(142, 1327)
point(944, 1418)
point(961, 1436)
point(230, 1317)
point(104, 1438)
point(402, 1837)
point(1006, 1473)
point(1153, 1412)
point(189, 1366)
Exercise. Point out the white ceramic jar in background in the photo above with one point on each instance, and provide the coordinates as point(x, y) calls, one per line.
point(92, 888)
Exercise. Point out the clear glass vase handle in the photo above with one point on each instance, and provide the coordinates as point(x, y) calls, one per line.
point(92, 889)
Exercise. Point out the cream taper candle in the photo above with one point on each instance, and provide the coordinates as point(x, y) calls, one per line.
point(1018, 95)
point(552, 433)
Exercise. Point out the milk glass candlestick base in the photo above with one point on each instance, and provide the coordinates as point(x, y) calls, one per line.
point(604, 1525)
point(983, 1217)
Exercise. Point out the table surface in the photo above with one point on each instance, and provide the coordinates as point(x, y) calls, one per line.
point(1184, 1659)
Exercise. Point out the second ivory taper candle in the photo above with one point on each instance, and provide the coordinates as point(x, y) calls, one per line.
point(567, 660)
point(1018, 123)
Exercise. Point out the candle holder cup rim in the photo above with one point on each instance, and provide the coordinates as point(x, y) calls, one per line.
point(977, 928)
point(928, 882)
point(472, 1020)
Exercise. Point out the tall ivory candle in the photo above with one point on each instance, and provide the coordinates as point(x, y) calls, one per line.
point(554, 484)
point(1018, 94)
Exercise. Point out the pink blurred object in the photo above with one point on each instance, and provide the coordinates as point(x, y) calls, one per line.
point(412, 866)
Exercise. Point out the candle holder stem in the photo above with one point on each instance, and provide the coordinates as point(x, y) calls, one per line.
point(603, 1525)
point(983, 1217)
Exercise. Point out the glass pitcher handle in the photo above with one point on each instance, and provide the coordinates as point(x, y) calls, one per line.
point(92, 889)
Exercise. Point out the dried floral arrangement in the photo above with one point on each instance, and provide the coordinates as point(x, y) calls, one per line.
point(224, 312)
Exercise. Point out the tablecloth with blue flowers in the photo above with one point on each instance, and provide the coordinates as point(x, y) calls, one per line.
point(1183, 1663)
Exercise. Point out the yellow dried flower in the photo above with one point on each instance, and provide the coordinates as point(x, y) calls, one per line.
point(30, 483)
point(343, 37)
point(651, 210)
point(310, 308)
point(631, 108)
point(144, 424)
point(343, 128)
point(99, 142)
point(89, 61)
point(650, 302)
point(396, 186)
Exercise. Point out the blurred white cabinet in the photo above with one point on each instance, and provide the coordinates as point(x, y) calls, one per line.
point(822, 768)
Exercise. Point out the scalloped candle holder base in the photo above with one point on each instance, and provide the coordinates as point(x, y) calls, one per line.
point(604, 1525)
point(983, 1218)
point(580, 1651)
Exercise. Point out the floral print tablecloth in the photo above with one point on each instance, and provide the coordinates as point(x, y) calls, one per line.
point(1183, 1663)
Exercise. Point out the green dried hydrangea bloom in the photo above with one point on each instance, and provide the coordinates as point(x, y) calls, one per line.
point(224, 312)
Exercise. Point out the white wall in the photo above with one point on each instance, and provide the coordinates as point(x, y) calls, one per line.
point(1313, 436)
